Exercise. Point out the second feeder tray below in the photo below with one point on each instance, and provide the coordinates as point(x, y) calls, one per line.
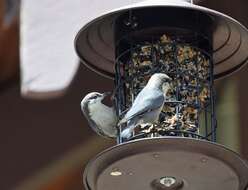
point(167, 164)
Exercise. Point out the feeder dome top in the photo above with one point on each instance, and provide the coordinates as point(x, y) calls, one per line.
point(94, 43)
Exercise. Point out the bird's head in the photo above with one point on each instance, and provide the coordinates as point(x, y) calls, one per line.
point(161, 81)
point(161, 76)
point(94, 97)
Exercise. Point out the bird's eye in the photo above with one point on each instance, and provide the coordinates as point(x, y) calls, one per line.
point(94, 97)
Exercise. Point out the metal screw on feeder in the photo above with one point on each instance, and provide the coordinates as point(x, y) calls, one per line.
point(168, 181)
point(194, 46)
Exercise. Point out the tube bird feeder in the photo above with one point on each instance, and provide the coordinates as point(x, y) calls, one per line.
point(194, 46)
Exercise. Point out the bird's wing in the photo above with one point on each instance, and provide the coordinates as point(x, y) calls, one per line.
point(92, 124)
point(146, 100)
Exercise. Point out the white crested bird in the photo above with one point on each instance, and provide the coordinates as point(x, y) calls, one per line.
point(101, 118)
point(148, 104)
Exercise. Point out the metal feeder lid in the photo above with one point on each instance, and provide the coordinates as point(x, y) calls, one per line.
point(94, 43)
point(171, 163)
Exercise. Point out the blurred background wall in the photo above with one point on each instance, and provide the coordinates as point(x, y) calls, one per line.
point(45, 144)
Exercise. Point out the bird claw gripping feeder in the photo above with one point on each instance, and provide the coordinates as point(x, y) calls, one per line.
point(194, 46)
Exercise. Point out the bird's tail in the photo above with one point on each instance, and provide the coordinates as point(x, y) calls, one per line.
point(127, 133)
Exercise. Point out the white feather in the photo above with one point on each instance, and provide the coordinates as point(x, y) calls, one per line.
point(103, 116)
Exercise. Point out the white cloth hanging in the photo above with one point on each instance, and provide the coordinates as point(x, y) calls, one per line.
point(48, 29)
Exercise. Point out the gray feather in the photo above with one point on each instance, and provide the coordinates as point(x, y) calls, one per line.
point(92, 124)
point(145, 102)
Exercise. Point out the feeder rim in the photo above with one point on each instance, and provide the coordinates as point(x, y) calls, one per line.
point(182, 140)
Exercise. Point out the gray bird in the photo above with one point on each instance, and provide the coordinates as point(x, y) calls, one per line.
point(147, 105)
point(101, 118)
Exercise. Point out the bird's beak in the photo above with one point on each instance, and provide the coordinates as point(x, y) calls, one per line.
point(106, 94)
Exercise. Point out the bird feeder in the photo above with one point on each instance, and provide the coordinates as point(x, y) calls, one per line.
point(194, 46)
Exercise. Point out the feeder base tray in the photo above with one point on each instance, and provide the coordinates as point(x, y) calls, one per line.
point(167, 164)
